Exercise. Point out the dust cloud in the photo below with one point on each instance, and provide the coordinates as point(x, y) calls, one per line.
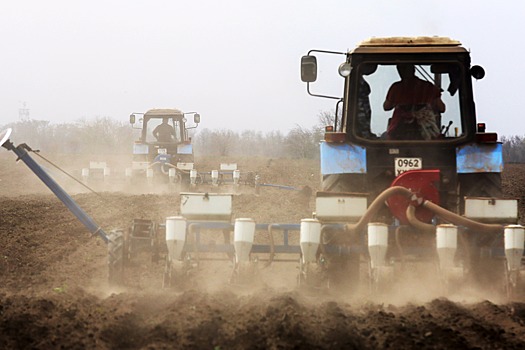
point(54, 290)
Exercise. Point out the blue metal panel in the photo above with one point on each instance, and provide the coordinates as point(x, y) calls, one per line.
point(185, 149)
point(140, 148)
point(342, 158)
point(479, 158)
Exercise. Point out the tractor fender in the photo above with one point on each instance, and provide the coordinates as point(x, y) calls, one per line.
point(479, 158)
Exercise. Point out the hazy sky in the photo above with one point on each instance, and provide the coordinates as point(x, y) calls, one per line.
point(235, 62)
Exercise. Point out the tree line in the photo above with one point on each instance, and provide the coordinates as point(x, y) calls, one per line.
point(107, 136)
point(513, 149)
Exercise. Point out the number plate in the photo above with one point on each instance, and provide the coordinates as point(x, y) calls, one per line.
point(162, 151)
point(405, 164)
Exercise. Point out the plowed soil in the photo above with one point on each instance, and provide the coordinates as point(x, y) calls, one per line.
point(54, 291)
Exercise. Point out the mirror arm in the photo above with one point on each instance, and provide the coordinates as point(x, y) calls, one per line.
point(325, 51)
point(318, 95)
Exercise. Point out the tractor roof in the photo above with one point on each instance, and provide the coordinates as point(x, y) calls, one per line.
point(164, 112)
point(417, 44)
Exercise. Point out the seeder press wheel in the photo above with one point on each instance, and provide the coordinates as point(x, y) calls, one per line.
point(176, 273)
point(512, 284)
point(312, 275)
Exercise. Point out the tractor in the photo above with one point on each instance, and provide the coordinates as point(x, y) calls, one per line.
point(405, 133)
point(168, 156)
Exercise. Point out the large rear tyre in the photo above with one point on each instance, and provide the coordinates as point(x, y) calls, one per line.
point(479, 185)
point(483, 268)
point(344, 183)
point(343, 273)
point(116, 257)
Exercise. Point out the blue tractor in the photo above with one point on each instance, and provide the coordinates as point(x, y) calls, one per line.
point(164, 145)
point(407, 120)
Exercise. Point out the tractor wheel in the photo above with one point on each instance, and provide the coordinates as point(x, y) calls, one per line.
point(487, 272)
point(344, 183)
point(169, 274)
point(343, 272)
point(185, 158)
point(482, 267)
point(480, 185)
point(116, 257)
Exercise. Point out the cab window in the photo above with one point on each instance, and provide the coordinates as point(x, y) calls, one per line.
point(154, 122)
point(408, 101)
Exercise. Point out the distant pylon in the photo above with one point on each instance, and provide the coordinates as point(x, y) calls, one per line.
point(23, 113)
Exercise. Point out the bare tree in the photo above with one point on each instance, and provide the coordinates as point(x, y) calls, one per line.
point(303, 143)
point(513, 149)
point(215, 142)
point(326, 118)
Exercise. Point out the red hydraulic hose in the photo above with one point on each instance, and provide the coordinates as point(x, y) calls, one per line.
point(459, 220)
point(377, 204)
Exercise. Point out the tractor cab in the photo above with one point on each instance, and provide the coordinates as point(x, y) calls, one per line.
point(407, 105)
point(400, 90)
point(163, 140)
point(155, 117)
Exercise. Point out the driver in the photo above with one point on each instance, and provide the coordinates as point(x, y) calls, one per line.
point(164, 132)
point(416, 102)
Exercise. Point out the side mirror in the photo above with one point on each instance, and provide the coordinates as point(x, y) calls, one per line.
point(477, 72)
point(132, 119)
point(308, 69)
point(196, 118)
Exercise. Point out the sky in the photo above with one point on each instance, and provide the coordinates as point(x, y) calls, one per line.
point(235, 62)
